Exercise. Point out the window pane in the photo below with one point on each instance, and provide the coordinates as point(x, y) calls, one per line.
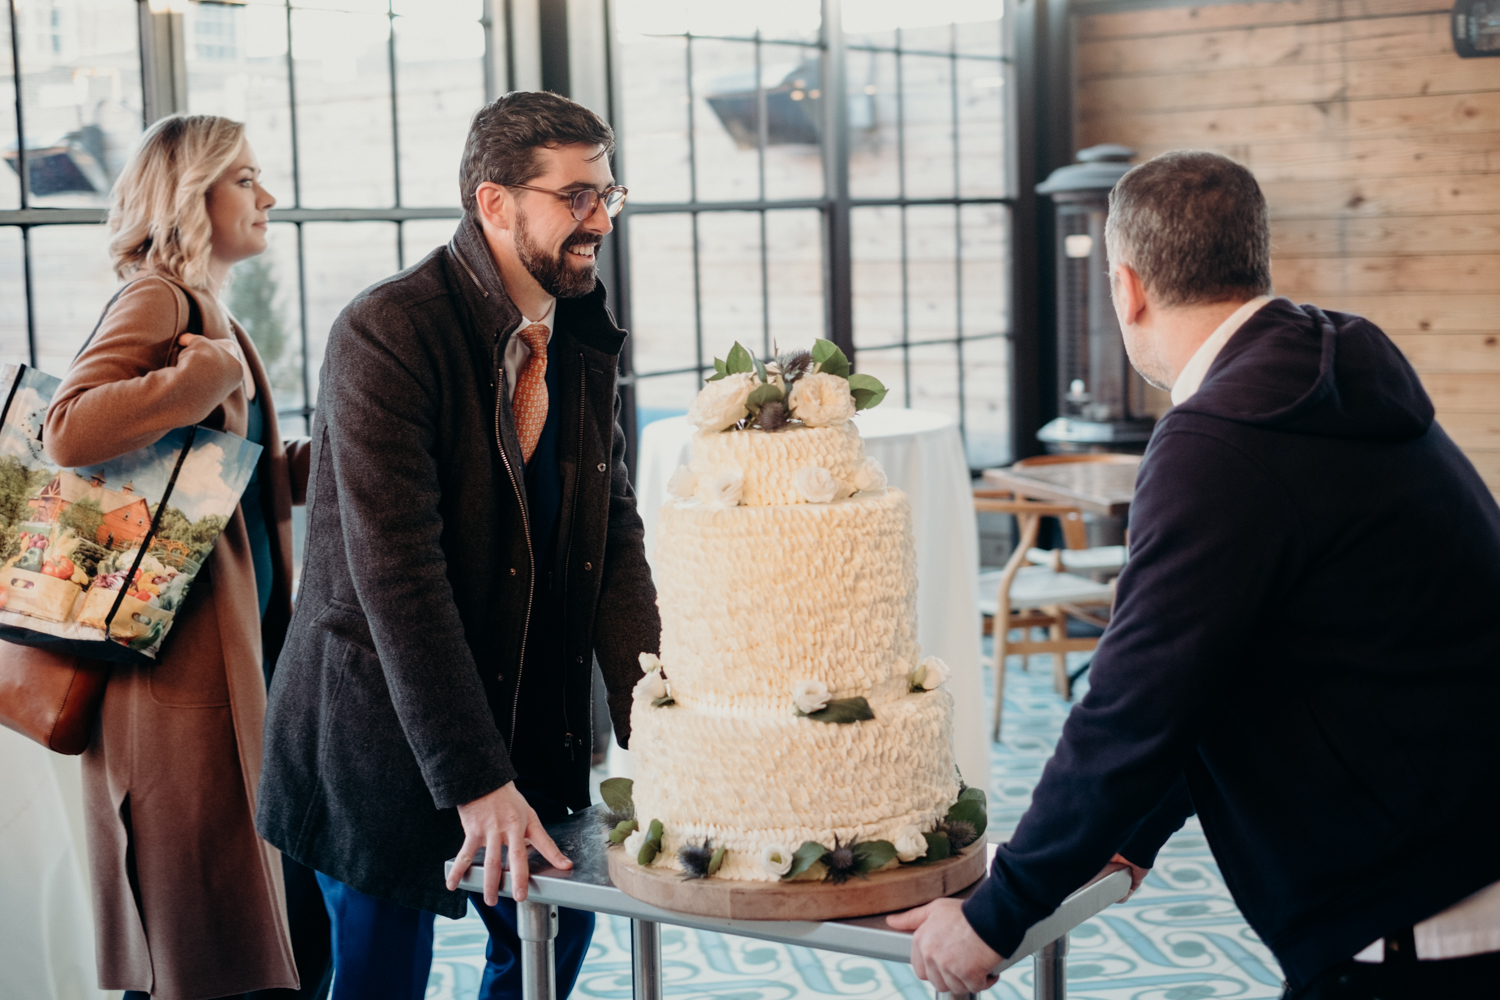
point(927, 84)
point(661, 285)
point(71, 281)
point(986, 374)
point(12, 299)
point(10, 184)
point(874, 125)
point(724, 123)
point(981, 127)
point(794, 167)
point(420, 238)
point(876, 259)
point(729, 271)
point(236, 60)
point(343, 108)
point(81, 96)
point(986, 241)
point(794, 245)
point(342, 259)
point(664, 396)
point(263, 296)
point(795, 20)
point(934, 379)
point(654, 140)
point(930, 271)
point(439, 86)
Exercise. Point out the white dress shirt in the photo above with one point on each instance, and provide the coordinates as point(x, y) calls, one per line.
point(1472, 925)
point(518, 352)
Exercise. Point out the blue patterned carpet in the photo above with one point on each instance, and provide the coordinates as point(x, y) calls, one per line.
point(1180, 938)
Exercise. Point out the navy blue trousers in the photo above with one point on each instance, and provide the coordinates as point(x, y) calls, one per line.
point(383, 950)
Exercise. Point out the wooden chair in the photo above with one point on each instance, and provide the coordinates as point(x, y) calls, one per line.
point(1038, 596)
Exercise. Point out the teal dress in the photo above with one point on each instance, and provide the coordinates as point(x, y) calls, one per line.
point(255, 518)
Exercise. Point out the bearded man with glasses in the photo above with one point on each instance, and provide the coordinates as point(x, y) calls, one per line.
point(472, 546)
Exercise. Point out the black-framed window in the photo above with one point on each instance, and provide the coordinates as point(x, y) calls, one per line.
point(749, 200)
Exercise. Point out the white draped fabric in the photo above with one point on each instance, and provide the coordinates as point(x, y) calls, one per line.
point(923, 456)
point(46, 928)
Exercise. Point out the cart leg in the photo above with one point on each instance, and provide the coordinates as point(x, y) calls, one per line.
point(538, 930)
point(645, 959)
point(1051, 975)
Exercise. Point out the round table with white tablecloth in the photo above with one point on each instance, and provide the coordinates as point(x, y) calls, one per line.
point(923, 456)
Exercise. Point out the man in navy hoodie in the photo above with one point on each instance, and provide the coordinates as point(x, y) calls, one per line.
point(1306, 640)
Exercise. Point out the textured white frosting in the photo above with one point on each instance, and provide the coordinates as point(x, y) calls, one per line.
point(745, 782)
point(755, 599)
point(768, 461)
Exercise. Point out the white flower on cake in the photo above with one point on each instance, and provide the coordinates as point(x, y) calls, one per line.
point(816, 484)
point(930, 673)
point(777, 860)
point(821, 400)
point(650, 662)
point(634, 843)
point(721, 404)
point(870, 476)
point(683, 482)
point(910, 844)
point(810, 696)
point(724, 490)
point(652, 686)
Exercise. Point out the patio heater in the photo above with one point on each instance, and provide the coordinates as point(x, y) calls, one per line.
point(1101, 399)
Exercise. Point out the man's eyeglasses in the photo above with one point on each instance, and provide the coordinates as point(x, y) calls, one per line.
point(585, 201)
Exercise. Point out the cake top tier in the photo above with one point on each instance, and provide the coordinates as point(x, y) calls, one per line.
point(780, 432)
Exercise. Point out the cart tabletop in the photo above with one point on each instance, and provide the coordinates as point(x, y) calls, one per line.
point(1103, 485)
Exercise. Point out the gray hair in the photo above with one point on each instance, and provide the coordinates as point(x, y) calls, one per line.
point(506, 133)
point(1194, 226)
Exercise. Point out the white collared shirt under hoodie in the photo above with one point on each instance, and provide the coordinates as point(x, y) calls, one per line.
point(1472, 925)
point(518, 352)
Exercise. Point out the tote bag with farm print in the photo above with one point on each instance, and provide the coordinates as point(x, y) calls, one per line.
point(97, 561)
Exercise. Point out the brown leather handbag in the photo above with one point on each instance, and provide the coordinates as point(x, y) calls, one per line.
point(51, 697)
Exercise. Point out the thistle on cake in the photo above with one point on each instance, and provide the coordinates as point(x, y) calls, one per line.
point(816, 388)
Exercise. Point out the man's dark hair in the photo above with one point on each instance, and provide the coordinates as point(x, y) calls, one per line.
point(506, 133)
point(1194, 226)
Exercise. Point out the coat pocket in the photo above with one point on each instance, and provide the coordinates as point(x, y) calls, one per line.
point(346, 622)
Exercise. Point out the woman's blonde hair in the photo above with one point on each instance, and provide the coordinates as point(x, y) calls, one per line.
point(159, 216)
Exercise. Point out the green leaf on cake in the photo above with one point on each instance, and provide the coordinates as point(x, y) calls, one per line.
point(663, 701)
point(829, 359)
point(739, 360)
point(761, 395)
point(872, 855)
point(971, 811)
point(977, 794)
point(623, 829)
point(760, 369)
point(717, 861)
point(841, 710)
point(719, 371)
point(809, 854)
point(652, 847)
point(867, 391)
point(939, 848)
point(617, 795)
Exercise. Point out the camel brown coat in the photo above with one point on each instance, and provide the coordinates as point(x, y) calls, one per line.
point(188, 900)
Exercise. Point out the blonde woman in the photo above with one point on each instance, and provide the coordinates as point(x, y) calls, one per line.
point(189, 902)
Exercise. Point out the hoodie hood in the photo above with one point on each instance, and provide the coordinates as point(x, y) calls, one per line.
point(1305, 371)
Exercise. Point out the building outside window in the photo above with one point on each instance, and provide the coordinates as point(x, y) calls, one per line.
point(743, 212)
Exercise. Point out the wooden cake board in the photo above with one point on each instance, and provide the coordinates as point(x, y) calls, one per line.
point(898, 888)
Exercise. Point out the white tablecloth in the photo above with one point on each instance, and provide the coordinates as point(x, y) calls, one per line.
point(923, 455)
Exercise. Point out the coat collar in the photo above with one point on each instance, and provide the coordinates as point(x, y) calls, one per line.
point(495, 313)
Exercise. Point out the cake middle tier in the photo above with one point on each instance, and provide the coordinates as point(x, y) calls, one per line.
point(746, 783)
point(756, 599)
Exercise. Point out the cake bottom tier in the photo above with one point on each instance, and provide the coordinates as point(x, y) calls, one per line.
point(747, 783)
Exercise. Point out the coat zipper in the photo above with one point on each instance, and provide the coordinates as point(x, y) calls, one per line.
point(568, 555)
point(515, 707)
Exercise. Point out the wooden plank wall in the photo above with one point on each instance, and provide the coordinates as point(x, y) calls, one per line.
point(1378, 150)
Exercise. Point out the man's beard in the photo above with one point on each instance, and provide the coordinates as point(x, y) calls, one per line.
point(552, 271)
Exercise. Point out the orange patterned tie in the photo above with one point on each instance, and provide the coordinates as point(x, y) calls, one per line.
point(529, 403)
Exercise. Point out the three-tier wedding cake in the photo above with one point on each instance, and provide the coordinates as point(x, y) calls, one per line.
point(790, 728)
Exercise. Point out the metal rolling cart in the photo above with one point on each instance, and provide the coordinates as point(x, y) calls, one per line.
point(587, 887)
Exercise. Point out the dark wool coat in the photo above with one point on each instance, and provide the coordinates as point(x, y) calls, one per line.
point(411, 681)
point(1306, 631)
point(171, 771)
